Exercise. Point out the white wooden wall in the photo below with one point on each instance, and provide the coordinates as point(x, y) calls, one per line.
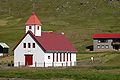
point(39, 57)
point(19, 52)
point(49, 62)
point(34, 29)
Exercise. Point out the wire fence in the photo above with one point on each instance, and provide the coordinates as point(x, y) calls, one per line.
point(44, 64)
point(82, 63)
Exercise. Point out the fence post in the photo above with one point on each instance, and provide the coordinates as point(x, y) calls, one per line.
point(70, 63)
point(44, 64)
point(66, 64)
point(52, 64)
point(11, 63)
point(75, 63)
point(35, 64)
point(62, 64)
point(18, 64)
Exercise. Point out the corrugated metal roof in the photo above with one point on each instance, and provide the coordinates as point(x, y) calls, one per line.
point(106, 36)
point(51, 41)
point(4, 45)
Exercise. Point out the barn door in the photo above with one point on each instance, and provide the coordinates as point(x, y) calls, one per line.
point(28, 59)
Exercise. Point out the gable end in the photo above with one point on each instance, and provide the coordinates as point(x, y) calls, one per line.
point(30, 33)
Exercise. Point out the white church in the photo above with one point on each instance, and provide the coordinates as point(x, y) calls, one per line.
point(43, 48)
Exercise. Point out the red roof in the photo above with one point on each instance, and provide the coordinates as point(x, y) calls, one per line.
point(33, 19)
point(51, 41)
point(106, 36)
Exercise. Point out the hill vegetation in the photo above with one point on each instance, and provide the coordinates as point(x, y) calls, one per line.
point(78, 19)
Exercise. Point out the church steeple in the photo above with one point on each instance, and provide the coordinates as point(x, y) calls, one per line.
point(33, 24)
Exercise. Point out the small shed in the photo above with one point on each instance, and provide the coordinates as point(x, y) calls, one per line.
point(4, 48)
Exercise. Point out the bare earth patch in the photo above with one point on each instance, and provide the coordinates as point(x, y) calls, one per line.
point(3, 22)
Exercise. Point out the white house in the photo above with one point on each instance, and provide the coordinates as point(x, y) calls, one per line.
point(43, 49)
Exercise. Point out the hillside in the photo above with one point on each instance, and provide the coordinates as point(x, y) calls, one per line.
point(78, 19)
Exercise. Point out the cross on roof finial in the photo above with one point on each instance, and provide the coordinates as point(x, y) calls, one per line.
point(33, 6)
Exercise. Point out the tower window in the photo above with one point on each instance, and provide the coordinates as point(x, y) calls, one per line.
point(33, 45)
point(48, 57)
point(28, 45)
point(30, 27)
point(24, 45)
point(37, 27)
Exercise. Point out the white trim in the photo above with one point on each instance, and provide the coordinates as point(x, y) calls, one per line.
point(4, 45)
point(28, 53)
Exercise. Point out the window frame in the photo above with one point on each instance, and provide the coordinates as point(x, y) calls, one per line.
point(102, 41)
point(98, 47)
point(99, 41)
point(103, 46)
point(107, 46)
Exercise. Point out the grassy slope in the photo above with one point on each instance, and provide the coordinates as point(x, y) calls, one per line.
point(61, 73)
point(78, 19)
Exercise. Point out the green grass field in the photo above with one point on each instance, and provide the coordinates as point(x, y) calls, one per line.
point(61, 73)
point(79, 20)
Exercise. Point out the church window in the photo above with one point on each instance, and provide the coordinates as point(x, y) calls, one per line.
point(57, 57)
point(24, 45)
point(48, 57)
point(30, 27)
point(37, 27)
point(29, 45)
point(33, 45)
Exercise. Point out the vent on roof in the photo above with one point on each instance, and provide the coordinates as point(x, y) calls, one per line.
point(62, 33)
